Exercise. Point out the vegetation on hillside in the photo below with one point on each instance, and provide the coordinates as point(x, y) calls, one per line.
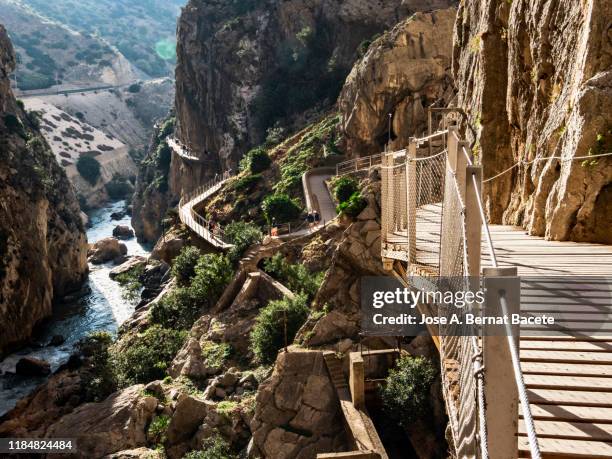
point(201, 279)
point(406, 394)
point(268, 334)
point(276, 187)
point(295, 276)
point(89, 168)
point(143, 30)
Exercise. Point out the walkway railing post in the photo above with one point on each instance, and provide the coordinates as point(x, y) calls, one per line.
point(501, 392)
point(411, 198)
point(452, 146)
point(385, 209)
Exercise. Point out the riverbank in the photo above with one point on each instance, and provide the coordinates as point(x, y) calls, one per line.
point(103, 308)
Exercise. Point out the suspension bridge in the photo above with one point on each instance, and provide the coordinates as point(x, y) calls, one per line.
point(543, 390)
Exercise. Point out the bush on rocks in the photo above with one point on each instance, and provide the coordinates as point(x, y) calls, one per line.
point(242, 235)
point(198, 292)
point(257, 160)
point(406, 395)
point(213, 448)
point(146, 356)
point(353, 206)
point(295, 276)
point(280, 208)
point(344, 188)
point(183, 265)
point(268, 334)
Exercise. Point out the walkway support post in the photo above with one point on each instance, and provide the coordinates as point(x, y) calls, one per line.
point(473, 222)
point(411, 198)
point(357, 380)
point(501, 392)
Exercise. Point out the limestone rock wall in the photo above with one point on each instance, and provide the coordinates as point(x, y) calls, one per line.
point(243, 70)
point(403, 72)
point(43, 248)
point(535, 78)
point(298, 414)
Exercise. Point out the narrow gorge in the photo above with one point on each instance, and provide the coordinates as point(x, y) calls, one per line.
point(316, 151)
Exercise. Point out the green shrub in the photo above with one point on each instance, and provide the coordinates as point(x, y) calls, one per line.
point(203, 284)
point(178, 309)
point(134, 88)
point(215, 355)
point(245, 184)
point(256, 161)
point(296, 276)
point(101, 381)
point(406, 395)
point(212, 274)
point(267, 336)
point(213, 448)
point(119, 188)
point(183, 265)
point(353, 206)
point(145, 357)
point(166, 128)
point(344, 188)
point(13, 124)
point(157, 429)
point(242, 235)
point(130, 281)
point(281, 208)
point(89, 168)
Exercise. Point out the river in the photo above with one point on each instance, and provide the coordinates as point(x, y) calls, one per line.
point(104, 308)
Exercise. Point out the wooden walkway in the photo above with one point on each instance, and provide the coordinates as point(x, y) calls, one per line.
point(568, 371)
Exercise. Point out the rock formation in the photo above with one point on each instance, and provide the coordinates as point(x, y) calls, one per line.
point(403, 72)
point(536, 80)
point(43, 249)
point(243, 69)
point(298, 413)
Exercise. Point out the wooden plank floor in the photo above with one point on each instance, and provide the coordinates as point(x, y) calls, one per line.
point(568, 371)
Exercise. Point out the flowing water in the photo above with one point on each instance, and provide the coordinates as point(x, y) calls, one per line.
point(104, 308)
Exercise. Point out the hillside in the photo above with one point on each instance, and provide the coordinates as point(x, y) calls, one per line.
point(142, 30)
point(127, 113)
point(71, 138)
point(50, 53)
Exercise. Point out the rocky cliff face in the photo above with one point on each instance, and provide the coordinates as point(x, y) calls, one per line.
point(536, 80)
point(43, 247)
point(403, 72)
point(244, 69)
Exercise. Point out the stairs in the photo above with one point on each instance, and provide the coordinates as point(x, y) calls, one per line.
point(334, 367)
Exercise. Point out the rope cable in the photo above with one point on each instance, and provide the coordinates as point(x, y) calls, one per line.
point(563, 160)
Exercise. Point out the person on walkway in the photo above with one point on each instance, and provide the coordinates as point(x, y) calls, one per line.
point(317, 217)
point(310, 219)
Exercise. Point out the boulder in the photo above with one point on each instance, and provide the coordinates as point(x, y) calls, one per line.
point(118, 423)
point(117, 215)
point(123, 232)
point(29, 366)
point(129, 265)
point(168, 247)
point(138, 453)
point(106, 249)
point(189, 413)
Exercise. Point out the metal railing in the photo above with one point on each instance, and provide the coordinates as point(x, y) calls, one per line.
point(205, 228)
point(433, 220)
